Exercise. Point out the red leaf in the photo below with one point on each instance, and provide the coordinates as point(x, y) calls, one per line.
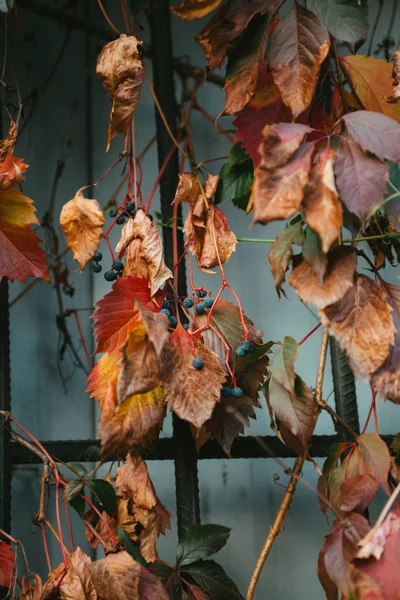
point(375, 133)
point(361, 178)
point(7, 560)
point(11, 170)
point(358, 492)
point(117, 315)
point(376, 456)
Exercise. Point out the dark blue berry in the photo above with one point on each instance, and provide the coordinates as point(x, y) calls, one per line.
point(118, 265)
point(110, 275)
point(202, 294)
point(208, 302)
point(197, 363)
point(226, 392)
point(96, 268)
point(249, 347)
point(186, 326)
point(241, 351)
point(165, 312)
point(121, 220)
point(130, 208)
point(165, 304)
point(237, 392)
point(188, 303)
point(97, 256)
point(112, 213)
point(173, 321)
point(199, 308)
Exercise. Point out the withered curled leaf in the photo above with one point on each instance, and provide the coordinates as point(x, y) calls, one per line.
point(120, 70)
point(82, 221)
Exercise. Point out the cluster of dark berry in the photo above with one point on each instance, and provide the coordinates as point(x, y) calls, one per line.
point(129, 208)
point(166, 310)
point(112, 274)
point(246, 348)
point(200, 306)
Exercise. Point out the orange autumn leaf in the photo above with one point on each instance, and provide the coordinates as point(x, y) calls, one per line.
point(194, 9)
point(82, 222)
point(7, 562)
point(120, 70)
point(100, 376)
point(188, 188)
point(371, 80)
point(20, 253)
point(11, 171)
point(31, 588)
point(298, 46)
point(322, 209)
point(362, 323)
point(7, 145)
point(141, 241)
point(133, 481)
point(191, 393)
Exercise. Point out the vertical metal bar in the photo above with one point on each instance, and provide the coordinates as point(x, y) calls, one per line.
point(5, 404)
point(186, 476)
point(345, 391)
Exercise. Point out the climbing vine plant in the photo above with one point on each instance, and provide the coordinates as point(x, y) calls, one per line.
point(316, 145)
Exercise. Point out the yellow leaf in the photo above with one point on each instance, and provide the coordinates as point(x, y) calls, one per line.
point(17, 209)
point(82, 221)
point(372, 82)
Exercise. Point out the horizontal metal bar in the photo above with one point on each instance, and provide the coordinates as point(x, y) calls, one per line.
point(164, 449)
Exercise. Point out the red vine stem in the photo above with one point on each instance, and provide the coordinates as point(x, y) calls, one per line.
point(102, 519)
point(309, 334)
point(45, 546)
point(69, 524)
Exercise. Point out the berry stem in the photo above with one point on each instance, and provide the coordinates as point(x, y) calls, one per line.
point(309, 334)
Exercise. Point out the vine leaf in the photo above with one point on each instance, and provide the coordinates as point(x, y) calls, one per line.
point(20, 253)
point(339, 550)
point(199, 541)
point(395, 96)
point(82, 222)
point(31, 588)
point(11, 170)
point(119, 576)
point(376, 456)
point(142, 243)
point(236, 178)
point(6, 5)
point(281, 252)
point(244, 64)
point(345, 20)
point(362, 323)
point(100, 376)
point(117, 314)
point(7, 561)
point(371, 81)
point(195, 9)
point(105, 494)
point(120, 70)
point(298, 46)
point(375, 133)
point(337, 281)
point(225, 28)
point(75, 583)
point(357, 492)
point(313, 253)
point(133, 481)
point(387, 377)
point(322, 209)
point(282, 364)
point(375, 563)
point(361, 178)
point(278, 188)
point(213, 580)
point(191, 393)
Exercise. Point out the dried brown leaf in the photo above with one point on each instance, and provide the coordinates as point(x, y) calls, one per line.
point(133, 481)
point(116, 577)
point(338, 278)
point(120, 70)
point(195, 9)
point(191, 393)
point(362, 323)
point(11, 172)
point(322, 209)
point(77, 583)
point(82, 221)
point(188, 188)
point(7, 145)
point(31, 588)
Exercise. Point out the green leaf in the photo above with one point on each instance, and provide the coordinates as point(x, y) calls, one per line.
point(346, 20)
point(131, 547)
point(78, 504)
point(198, 541)
point(6, 5)
point(73, 489)
point(282, 363)
point(236, 178)
point(282, 251)
point(395, 446)
point(106, 495)
point(77, 468)
point(211, 577)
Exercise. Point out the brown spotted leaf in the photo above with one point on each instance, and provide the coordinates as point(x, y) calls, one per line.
point(191, 393)
point(322, 209)
point(277, 193)
point(225, 27)
point(362, 323)
point(82, 221)
point(120, 70)
point(338, 278)
point(133, 481)
point(361, 178)
point(298, 46)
